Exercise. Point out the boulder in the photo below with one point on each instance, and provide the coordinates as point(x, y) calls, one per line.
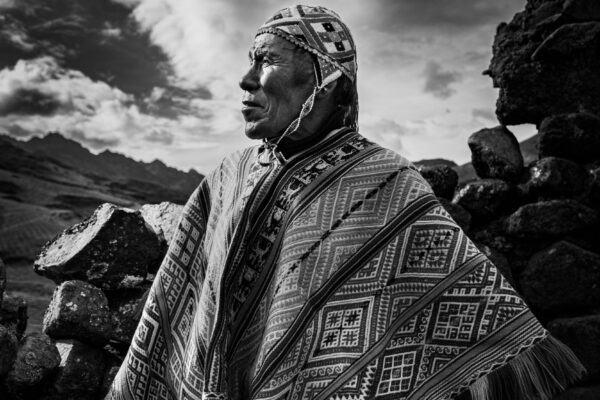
point(533, 88)
point(80, 311)
point(123, 314)
point(485, 198)
point(593, 185)
point(584, 10)
point(13, 314)
point(582, 335)
point(461, 216)
point(562, 277)
point(37, 360)
point(442, 179)
point(549, 219)
point(554, 177)
point(80, 373)
point(494, 236)
point(573, 136)
point(2, 280)
point(580, 393)
point(8, 349)
point(569, 40)
point(163, 219)
point(113, 249)
point(495, 153)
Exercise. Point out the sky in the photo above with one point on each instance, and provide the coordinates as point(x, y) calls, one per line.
point(159, 78)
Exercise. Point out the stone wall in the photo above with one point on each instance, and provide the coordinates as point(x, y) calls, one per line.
point(103, 267)
point(540, 223)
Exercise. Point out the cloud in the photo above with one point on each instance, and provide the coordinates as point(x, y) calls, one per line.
point(160, 136)
point(206, 41)
point(457, 15)
point(128, 3)
point(385, 131)
point(484, 113)
point(98, 38)
point(93, 142)
point(40, 95)
point(24, 101)
point(7, 3)
point(41, 86)
point(437, 81)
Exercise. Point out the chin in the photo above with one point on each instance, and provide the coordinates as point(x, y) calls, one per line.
point(257, 132)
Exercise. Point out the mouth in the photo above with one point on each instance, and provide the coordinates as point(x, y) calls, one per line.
point(250, 104)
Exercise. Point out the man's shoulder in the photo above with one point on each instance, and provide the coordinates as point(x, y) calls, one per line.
point(234, 159)
point(387, 157)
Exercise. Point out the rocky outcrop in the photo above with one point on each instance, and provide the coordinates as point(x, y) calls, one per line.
point(2, 280)
point(495, 154)
point(582, 334)
point(113, 249)
point(563, 277)
point(36, 361)
point(553, 177)
point(545, 61)
point(90, 321)
point(442, 179)
point(162, 218)
point(573, 136)
point(485, 198)
point(80, 373)
point(8, 349)
point(80, 311)
point(550, 219)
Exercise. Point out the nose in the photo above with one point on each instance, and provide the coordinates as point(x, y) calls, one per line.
point(250, 80)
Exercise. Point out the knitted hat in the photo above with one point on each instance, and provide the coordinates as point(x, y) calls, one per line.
point(322, 33)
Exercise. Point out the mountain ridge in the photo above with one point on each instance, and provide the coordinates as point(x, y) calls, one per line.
point(109, 164)
point(48, 184)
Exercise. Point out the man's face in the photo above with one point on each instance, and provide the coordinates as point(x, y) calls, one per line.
point(279, 80)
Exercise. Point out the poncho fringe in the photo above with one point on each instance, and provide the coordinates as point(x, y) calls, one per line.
point(540, 372)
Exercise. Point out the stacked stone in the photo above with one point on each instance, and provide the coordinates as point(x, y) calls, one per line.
point(103, 267)
point(540, 222)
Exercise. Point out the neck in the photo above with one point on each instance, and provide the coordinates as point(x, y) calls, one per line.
point(294, 143)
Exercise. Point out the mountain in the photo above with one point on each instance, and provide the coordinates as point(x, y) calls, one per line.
point(48, 184)
point(115, 166)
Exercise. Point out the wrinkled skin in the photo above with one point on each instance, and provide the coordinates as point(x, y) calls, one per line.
point(278, 82)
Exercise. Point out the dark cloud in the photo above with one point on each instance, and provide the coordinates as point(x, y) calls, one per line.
point(97, 37)
point(171, 102)
point(394, 15)
point(438, 81)
point(160, 136)
point(95, 143)
point(484, 114)
point(24, 101)
point(17, 131)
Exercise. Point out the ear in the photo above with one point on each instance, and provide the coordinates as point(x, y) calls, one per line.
point(327, 90)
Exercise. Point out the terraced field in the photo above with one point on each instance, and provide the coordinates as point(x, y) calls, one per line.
point(24, 228)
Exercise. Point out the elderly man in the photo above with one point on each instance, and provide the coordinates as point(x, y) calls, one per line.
point(319, 265)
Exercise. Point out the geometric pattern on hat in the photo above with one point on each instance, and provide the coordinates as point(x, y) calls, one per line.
point(321, 32)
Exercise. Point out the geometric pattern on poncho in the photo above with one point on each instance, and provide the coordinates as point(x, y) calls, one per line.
point(417, 297)
point(427, 341)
